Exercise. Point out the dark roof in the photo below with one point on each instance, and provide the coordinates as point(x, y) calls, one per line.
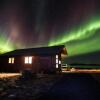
point(37, 51)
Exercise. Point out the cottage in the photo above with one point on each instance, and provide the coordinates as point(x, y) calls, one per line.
point(39, 60)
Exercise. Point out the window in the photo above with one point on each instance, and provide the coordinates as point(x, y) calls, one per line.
point(57, 61)
point(56, 56)
point(28, 60)
point(11, 60)
point(56, 65)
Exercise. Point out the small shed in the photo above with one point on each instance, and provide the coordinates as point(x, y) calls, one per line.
point(38, 60)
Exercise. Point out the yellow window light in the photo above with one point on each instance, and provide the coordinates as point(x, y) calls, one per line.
point(30, 60)
point(12, 60)
point(26, 60)
point(9, 60)
point(56, 65)
point(59, 61)
point(56, 61)
point(56, 56)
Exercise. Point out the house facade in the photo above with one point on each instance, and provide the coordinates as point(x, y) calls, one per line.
point(38, 60)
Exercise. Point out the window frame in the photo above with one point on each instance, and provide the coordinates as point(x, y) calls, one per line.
point(11, 60)
point(57, 61)
point(28, 60)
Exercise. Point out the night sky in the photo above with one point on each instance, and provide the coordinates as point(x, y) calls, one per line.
point(34, 23)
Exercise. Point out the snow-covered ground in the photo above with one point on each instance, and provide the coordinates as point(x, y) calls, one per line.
point(8, 75)
point(13, 87)
point(82, 71)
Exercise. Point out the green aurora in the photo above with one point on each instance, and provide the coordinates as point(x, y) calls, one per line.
point(5, 45)
point(81, 40)
point(84, 39)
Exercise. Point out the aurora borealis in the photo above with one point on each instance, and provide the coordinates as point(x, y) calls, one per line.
point(83, 40)
point(34, 23)
point(5, 45)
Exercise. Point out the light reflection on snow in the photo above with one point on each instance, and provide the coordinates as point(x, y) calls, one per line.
point(8, 75)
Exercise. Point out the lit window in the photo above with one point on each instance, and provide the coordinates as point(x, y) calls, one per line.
point(59, 62)
point(56, 61)
point(11, 61)
point(28, 60)
point(56, 65)
point(56, 56)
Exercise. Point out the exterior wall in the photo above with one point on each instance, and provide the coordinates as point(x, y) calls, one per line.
point(23, 65)
point(6, 67)
point(40, 64)
point(2, 63)
point(54, 62)
point(59, 57)
point(18, 63)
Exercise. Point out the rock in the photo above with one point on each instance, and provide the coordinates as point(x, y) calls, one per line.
point(11, 95)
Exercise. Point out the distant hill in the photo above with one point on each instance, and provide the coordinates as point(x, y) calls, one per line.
point(89, 58)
